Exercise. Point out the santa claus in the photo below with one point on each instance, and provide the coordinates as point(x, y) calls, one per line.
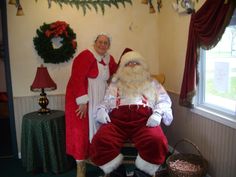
point(133, 108)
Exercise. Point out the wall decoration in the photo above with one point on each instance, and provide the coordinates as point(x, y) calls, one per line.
point(89, 4)
point(55, 42)
point(184, 6)
point(151, 7)
point(18, 6)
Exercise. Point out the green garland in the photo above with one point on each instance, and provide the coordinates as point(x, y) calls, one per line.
point(44, 46)
point(89, 4)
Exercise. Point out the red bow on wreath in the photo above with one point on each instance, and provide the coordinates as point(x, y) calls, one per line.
point(57, 29)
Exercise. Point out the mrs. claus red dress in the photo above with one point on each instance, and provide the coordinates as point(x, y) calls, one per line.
point(87, 84)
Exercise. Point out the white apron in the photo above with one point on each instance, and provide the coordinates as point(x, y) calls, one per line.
point(96, 93)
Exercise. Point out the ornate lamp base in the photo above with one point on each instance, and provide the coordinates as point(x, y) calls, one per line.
point(43, 102)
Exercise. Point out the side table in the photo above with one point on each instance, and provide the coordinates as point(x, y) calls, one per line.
point(43, 142)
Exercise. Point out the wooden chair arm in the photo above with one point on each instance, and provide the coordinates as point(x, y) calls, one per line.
point(159, 77)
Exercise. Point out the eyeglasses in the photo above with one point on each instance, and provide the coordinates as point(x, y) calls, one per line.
point(106, 43)
point(132, 63)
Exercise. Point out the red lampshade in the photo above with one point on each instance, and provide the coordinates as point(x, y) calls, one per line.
point(43, 80)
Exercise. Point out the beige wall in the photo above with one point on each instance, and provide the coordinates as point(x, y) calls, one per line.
point(160, 37)
point(173, 32)
point(132, 27)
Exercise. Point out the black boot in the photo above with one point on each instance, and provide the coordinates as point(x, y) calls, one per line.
point(119, 172)
point(139, 173)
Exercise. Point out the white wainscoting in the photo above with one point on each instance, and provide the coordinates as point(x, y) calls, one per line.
point(216, 141)
point(24, 105)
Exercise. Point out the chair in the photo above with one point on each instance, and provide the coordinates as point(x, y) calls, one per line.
point(129, 151)
point(160, 78)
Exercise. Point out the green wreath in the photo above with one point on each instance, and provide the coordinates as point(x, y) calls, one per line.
point(55, 42)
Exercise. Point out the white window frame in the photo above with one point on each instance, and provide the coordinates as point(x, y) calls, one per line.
point(206, 110)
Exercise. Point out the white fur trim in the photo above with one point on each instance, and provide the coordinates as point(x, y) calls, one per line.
point(78, 161)
point(131, 56)
point(82, 99)
point(112, 165)
point(99, 58)
point(145, 166)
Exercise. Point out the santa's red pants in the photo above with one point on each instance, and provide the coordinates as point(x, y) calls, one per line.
point(129, 123)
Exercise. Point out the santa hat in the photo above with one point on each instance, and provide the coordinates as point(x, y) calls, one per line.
point(126, 50)
point(129, 55)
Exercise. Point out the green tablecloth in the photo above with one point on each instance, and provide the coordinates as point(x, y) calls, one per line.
point(43, 142)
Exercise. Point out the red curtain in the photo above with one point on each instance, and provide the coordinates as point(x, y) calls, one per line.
point(206, 28)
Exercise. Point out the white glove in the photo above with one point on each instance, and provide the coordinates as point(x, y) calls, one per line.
point(154, 120)
point(102, 116)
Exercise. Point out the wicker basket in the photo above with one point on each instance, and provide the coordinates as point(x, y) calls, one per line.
point(188, 158)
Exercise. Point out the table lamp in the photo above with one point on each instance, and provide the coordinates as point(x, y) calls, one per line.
point(43, 82)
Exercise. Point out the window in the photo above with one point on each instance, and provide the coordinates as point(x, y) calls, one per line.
point(217, 73)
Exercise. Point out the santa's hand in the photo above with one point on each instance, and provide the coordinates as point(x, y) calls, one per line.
point(102, 116)
point(154, 120)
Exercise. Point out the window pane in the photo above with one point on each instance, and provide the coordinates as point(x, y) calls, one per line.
point(220, 73)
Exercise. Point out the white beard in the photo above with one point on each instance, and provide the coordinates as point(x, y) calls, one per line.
point(135, 82)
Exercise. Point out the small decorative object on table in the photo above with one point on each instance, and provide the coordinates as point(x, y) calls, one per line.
point(186, 165)
point(43, 82)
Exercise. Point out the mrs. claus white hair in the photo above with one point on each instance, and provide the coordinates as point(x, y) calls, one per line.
point(103, 34)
